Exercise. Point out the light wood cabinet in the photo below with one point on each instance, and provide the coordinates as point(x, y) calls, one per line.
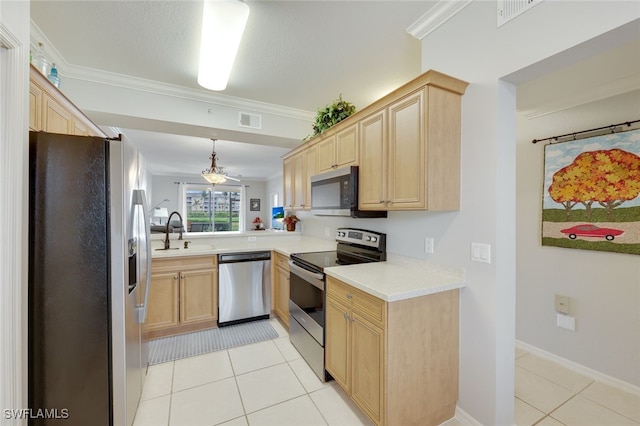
point(407, 145)
point(183, 296)
point(51, 111)
point(281, 287)
point(397, 360)
point(339, 150)
point(297, 172)
point(294, 184)
point(410, 159)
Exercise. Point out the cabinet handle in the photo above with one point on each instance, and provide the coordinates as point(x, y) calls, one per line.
point(346, 316)
point(349, 295)
point(175, 277)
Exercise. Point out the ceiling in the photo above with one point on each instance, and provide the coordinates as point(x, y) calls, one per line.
point(295, 54)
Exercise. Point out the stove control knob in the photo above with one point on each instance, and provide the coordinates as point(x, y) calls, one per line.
point(368, 238)
point(373, 239)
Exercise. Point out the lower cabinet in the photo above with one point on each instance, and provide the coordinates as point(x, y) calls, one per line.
point(281, 287)
point(397, 360)
point(183, 296)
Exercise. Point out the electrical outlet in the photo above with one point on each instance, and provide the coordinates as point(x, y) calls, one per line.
point(252, 239)
point(327, 231)
point(562, 304)
point(566, 321)
point(428, 245)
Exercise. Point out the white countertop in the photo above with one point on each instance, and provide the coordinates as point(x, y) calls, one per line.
point(396, 279)
point(283, 242)
point(399, 277)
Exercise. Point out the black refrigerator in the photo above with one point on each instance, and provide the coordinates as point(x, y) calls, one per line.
point(88, 280)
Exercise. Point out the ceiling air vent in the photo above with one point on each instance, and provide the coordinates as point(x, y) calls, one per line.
point(252, 121)
point(509, 9)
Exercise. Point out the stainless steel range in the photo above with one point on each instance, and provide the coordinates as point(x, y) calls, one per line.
point(307, 295)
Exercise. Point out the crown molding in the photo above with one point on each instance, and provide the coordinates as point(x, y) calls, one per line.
point(440, 13)
point(140, 84)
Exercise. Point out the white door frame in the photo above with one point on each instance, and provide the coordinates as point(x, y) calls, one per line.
point(14, 112)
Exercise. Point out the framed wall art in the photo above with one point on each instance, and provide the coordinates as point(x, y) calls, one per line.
point(254, 204)
point(591, 193)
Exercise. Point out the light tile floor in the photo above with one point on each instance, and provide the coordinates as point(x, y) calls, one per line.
point(548, 394)
point(263, 384)
point(268, 383)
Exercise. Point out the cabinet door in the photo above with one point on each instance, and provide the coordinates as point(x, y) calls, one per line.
point(336, 352)
point(326, 154)
point(346, 147)
point(407, 154)
point(198, 296)
point(55, 118)
point(367, 374)
point(372, 187)
point(163, 301)
point(310, 169)
point(287, 179)
point(282, 295)
point(35, 107)
point(299, 185)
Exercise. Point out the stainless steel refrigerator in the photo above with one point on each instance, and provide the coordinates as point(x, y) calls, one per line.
point(89, 265)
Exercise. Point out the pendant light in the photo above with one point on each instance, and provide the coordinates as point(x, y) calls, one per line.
point(223, 22)
point(214, 174)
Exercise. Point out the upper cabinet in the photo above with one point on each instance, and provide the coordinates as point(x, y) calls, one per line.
point(50, 111)
point(339, 150)
point(407, 145)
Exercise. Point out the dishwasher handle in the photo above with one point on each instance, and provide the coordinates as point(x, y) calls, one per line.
point(244, 257)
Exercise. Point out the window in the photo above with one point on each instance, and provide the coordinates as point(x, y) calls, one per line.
point(213, 209)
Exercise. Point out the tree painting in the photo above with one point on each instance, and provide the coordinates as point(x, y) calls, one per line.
point(607, 177)
point(593, 183)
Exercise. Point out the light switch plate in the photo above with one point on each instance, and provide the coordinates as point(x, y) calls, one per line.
point(481, 252)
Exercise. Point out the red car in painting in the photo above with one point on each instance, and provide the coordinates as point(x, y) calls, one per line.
point(588, 230)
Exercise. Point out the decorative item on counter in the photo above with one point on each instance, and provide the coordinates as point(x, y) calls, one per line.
point(40, 60)
point(53, 76)
point(290, 222)
point(331, 115)
point(257, 224)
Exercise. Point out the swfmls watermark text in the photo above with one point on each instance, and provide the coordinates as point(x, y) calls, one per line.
point(35, 413)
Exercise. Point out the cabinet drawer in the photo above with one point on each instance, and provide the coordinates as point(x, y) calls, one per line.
point(181, 263)
point(364, 304)
point(281, 261)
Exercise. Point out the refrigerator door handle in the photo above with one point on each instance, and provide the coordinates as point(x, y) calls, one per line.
point(140, 201)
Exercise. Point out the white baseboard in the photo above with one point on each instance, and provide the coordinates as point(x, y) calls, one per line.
point(464, 418)
point(581, 369)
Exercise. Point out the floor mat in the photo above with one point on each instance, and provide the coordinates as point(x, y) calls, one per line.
point(200, 342)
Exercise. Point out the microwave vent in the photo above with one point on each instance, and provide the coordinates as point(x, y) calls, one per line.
point(251, 121)
point(510, 9)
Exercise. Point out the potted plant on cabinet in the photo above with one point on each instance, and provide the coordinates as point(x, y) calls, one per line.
point(290, 222)
point(257, 224)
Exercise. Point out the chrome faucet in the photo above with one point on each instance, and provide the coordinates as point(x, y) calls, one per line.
point(167, 244)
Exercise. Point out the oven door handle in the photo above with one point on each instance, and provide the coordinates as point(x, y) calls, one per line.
point(316, 279)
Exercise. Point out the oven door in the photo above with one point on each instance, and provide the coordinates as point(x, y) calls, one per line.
point(307, 300)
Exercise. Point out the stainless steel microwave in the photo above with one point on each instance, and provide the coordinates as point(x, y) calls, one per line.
point(335, 193)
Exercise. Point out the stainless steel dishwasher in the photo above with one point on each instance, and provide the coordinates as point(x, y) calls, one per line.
point(244, 287)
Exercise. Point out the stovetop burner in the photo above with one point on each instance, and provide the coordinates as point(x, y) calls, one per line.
point(354, 246)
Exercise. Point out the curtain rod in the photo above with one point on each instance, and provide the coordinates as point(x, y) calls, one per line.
point(221, 184)
point(612, 127)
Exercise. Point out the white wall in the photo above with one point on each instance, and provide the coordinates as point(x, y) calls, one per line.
point(604, 288)
point(470, 47)
point(14, 125)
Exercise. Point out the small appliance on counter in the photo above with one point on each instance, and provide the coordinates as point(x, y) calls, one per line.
point(307, 289)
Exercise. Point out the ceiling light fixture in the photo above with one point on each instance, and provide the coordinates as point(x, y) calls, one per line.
point(214, 174)
point(223, 22)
